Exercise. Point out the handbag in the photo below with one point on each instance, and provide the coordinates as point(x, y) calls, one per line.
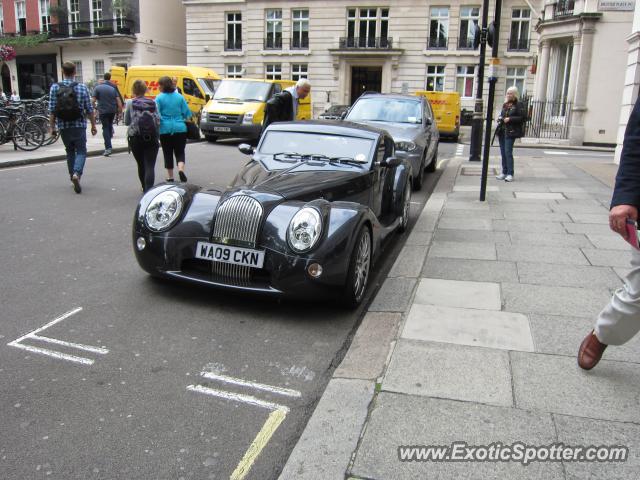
point(193, 132)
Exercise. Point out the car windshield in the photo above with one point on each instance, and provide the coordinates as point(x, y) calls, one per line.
point(330, 146)
point(242, 91)
point(386, 110)
point(208, 85)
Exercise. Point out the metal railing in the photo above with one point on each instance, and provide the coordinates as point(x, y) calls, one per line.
point(437, 43)
point(95, 28)
point(564, 8)
point(233, 45)
point(547, 118)
point(518, 44)
point(381, 43)
point(299, 43)
point(465, 43)
point(271, 43)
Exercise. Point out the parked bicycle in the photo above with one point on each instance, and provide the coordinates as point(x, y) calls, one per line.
point(26, 133)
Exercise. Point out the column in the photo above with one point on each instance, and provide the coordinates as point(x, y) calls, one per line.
point(580, 79)
point(542, 72)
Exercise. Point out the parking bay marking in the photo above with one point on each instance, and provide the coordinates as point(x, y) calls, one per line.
point(52, 353)
point(276, 417)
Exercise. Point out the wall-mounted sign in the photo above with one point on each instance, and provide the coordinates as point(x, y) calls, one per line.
point(616, 5)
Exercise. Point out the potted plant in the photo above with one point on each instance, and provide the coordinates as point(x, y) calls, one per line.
point(104, 30)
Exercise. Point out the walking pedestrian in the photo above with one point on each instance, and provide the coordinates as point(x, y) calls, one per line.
point(108, 105)
point(619, 321)
point(283, 107)
point(141, 115)
point(174, 111)
point(69, 105)
point(510, 126)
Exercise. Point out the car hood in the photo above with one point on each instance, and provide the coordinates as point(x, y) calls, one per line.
point(399, 131)
point(298, 182)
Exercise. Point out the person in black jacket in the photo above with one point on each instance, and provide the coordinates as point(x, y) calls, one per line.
point(283, 107)
point(510, 127)
point(619, 321)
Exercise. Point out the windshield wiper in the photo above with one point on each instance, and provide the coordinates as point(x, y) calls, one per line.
point(253, 100)
point(228, 98)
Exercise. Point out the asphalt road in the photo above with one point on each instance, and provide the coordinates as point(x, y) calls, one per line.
point(144, 378)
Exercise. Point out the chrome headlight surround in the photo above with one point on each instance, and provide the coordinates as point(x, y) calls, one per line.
point(304, 230)
point(248, 117)
point(163, 210)
point(406, 146)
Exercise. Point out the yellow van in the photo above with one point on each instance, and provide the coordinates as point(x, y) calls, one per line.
point(237, 108)
point(197, 84)
point(446, 108)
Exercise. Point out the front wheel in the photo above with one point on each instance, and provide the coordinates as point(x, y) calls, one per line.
point(359, 268)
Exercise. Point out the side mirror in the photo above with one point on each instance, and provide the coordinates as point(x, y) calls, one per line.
point(246, 149)
point(343, 114)
point(207, 97)
point(428, 121)
point(390, 162)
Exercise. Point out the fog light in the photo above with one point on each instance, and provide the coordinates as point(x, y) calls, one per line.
point(315, 270)
point(141, 243)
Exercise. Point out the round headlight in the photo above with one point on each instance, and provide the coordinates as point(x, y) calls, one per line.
point(405, 146)
point(163, 210)
point(304, 230)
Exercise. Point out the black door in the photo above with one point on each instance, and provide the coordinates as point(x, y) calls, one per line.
point(6, 80)
point(36, 74)
point(365, 79)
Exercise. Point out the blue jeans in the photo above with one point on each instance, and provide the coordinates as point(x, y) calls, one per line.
point(75, 143)
point(106, 119)
point(506, 151)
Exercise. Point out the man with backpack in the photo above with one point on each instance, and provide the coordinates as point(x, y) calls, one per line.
point(109, 104)
point(141, 115)
point(69, 104)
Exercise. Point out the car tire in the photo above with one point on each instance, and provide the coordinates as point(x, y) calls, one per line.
point(406, 206)
point(434, 163)
point(418, 180)
point(359, 269)
point(211, 138)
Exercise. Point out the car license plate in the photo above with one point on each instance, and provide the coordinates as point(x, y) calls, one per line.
point(227, 254)
point(221, 129)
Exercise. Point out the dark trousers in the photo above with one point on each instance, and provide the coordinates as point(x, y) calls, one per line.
point(173, 145)
point(145, 153)
point(106, 119)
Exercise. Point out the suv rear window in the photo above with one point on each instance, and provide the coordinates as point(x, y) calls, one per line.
point(383, 109)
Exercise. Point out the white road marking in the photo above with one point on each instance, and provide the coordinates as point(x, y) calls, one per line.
point(237, 381)
point(52, 353)
point(237, 397)
point(549, 152)
point(32, 166)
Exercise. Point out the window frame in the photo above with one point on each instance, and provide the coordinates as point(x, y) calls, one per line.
point(435, 75)
point(230, 74)
point(511, 80)
point(234, 43)
point(519, 20)
point(380, 22)
point(45, 18)
point(437, 23)
point(275, 74)
point(18, 11)
point(471, 19)
point(300, 38)
point(78, 78)
point(273, 29)
point(302, 71)
point(97, 75)
point(466, 75)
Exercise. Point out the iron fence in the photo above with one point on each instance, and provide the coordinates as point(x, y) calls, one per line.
point(547, 118)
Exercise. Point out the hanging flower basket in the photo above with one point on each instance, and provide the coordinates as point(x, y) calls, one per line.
point(7, 52)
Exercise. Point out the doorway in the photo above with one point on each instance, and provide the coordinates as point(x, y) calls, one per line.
point(5, 75)
point(365, 79)
point(36, 74)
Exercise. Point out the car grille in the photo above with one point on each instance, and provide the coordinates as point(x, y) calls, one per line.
point(224, 118)
point(237, 222)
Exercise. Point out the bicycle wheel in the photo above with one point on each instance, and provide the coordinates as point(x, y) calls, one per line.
point(43, 121)
point(5, 123)
point(28, 135)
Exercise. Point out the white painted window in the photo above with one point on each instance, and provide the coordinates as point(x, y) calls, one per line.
point(273, 71)
point(517, 77)
point(96, 12)
point(21, 17)
point(234, 31)
point(74, 11)
point(300, 20)
point(234, 70)
point(1, 20)
point(78, 77)
point(364, 25)
point(274, 29)
point(466, 80)
point(45, 18)
point(118, 15)
point(469, 17)
point(520, 22)
point(439, 27)
point(435, 78)
point(298, 71)
point(98, 69)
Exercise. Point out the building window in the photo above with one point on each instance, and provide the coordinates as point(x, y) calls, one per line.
point(74, 11)
point(516, 77)
point(78, 77)
point(274, 29)
point(465, 81)
point(98, 69)
point(300, 38)
point(1, 20)
point(96, 12)
point(21, 17)
point(520, 21)
point(298, 71)
point(435, 78)
point(234, 70)
point(45, 19)
point(118, 15)
point(368, 28)
point(439, 27)
point(469, 17)
point(234, 31)
point(273, 71)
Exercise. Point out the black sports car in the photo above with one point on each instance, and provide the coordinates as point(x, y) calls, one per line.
point(305, 217)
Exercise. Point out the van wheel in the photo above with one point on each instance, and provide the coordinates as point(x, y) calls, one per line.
point(211, 138)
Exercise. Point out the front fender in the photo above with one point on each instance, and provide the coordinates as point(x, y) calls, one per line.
point(402, 175)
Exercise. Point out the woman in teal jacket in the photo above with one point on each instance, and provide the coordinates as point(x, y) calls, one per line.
point(174, 111)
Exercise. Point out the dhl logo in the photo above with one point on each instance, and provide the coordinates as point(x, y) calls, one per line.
point(152, 85)
point(438, 102)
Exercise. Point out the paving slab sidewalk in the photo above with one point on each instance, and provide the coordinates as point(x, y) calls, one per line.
point(473, 338)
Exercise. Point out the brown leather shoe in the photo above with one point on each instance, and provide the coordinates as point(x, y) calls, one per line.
point(591, 350)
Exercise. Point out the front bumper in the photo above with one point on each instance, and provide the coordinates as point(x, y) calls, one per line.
point(219, 129)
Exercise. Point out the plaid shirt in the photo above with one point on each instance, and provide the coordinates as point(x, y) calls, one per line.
point(84, 100)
